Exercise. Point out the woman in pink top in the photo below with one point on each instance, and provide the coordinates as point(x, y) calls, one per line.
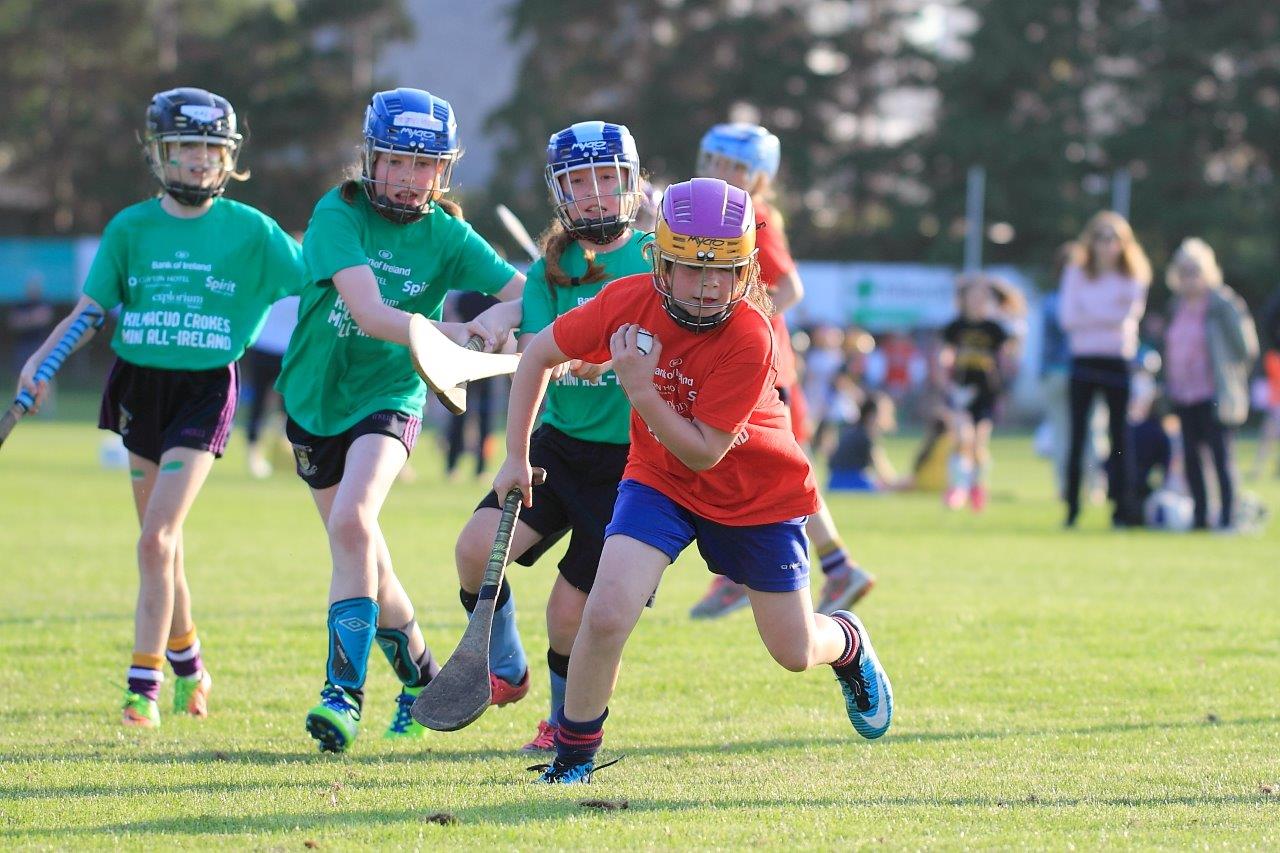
point(1209, 348)
point(1099, 305)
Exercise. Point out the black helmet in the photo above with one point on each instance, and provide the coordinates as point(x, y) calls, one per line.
point(191, 115)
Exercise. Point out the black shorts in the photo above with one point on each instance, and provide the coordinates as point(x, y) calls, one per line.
point(154, 409)
point(978, 400)
point(320, 459)
point(581, 487)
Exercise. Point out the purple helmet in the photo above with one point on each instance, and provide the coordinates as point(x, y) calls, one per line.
point(707, 224)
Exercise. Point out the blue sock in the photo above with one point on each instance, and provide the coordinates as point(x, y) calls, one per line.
point(352, 623)
point(558, 666)
point(506, 655)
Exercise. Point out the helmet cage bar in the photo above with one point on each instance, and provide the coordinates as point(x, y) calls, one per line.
point(382, 194)
point(686, 313)
point(162, 152)
point(573, 211)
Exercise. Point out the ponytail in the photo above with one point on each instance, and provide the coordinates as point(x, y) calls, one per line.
point(553, 242)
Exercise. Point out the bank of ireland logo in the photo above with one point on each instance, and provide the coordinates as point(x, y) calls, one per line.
point(385, 255)
point(182, 254)
point(302, 453)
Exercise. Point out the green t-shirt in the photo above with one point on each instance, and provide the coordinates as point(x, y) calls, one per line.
point(334, 375)
point(595, 410)
point(193, 292)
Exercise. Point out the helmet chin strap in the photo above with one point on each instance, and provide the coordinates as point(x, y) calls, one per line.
point(400, 214)
point(599, 231)
point(692, 322)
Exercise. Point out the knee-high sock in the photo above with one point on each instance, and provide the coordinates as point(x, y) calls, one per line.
point(506, 655)
point(352, 623)
point(558, 666)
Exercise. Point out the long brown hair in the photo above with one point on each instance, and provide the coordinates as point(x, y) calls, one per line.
point(553, 242)
point(1133, 261)
point(757, 292)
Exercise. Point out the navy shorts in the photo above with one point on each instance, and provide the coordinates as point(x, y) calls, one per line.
point(978, 400)
point(578, 496)
point(320, 459)
point(765, 557)
point(155, 410)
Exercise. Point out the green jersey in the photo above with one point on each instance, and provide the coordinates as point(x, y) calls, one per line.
point(193, 292)
point(588, 410)
point(334, 375)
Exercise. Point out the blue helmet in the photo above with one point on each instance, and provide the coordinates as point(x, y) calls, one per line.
point(191, 116)
point(743, 144)
point(593, 173)
point(421, 127)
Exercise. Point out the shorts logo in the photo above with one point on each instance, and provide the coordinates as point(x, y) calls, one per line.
point(354, 623)
point(302, 453)
point(125, 417)
point(792, 567)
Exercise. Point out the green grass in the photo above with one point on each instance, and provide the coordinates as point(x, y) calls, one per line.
point(1053, 689)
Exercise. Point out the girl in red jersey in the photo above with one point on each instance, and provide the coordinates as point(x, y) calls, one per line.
point(708, 429)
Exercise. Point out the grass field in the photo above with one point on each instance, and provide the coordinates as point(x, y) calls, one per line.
point(1092, 689)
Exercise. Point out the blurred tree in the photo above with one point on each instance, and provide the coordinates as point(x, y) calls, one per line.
point(812, 71)
point(1058, 95)
point(75, 78)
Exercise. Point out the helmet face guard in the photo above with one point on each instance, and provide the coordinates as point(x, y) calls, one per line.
point(704, 225)
point(408, 133)
point(190, 131)
point(593, 174)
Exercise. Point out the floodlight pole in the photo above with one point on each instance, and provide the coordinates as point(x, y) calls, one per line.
point(973, 215)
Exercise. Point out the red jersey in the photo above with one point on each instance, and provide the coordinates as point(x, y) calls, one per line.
point(725, 378)
point(776, 262)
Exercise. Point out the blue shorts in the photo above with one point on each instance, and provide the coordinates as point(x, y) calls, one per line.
point(765, 557)
point(851, 481)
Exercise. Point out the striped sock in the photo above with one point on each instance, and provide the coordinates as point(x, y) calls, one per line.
point(558, 665)
point(577, 742)
point(850, 643)
point(145, 675)
point(184, 654)
point(833, 557)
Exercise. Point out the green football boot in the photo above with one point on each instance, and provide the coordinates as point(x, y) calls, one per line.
point(335, 722)
point(140, 712)
point(191, 695)
point(403, 725)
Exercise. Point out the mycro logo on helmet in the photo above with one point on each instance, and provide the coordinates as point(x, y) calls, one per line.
point(415, 133)
point(591, 146)
point(709, 241)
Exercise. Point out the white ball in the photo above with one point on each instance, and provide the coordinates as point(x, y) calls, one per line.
point(644, 341)
point(1168, 510)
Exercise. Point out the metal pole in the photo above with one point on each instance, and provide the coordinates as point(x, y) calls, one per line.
point(973, 215)
point(1121, 188)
